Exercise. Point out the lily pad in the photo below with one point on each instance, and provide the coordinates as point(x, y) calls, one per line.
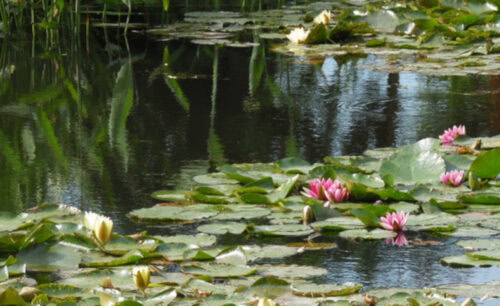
point(338, 224)
point(290, 271)
point(160, 213)
point(282, 230)
point(176, 196)
point(368, 235)
point(314, 290)
point(202, 240)
point(415, 164)
point(217, 269)
point(223, 228)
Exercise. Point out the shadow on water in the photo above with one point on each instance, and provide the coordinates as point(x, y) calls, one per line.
point(101, 128)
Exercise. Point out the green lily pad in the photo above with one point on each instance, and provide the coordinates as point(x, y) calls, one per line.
point(294, 165)
point(480, 198)
point(161, 213)
point(194, 286)
point(467, 261)
point(240, 211)
point(415, 164)
point(270, 287)
point(217, 269)
point(235, 256)
point(487, 165)
point(314, 290)
point(176, 251)
point(49, 258)
point(469, 231)
point(223, 228)
point(432, 222)
point(491, 254)
point(282, 230)
point(338, 224)
point(122, 244)
point(290, 271)
point(202, 240)
point(214, 179)
point(368, 235)
point(175, 196)
point(98, 259)
point(491, 290)
point(255, 252)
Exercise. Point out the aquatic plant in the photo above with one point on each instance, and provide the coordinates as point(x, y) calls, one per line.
point(394, 221)
point(450, 134)
point(141, 277)
point(453, 178)
point(101, 226)
point(298, 35)
point(327, 190)
point(324, 17)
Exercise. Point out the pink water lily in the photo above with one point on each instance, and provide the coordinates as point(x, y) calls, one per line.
point(326, 190)
point(450, 134)
point(453, 178)
point(399, 240)
point(395, 221)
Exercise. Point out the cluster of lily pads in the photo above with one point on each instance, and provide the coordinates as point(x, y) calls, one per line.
point(442, 37)
point(372, 196)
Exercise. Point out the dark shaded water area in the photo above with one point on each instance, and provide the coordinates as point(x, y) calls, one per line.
point(101, 127)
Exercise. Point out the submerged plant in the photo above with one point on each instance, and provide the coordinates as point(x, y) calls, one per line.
point(394, 221)
point(327, 190)
point(298, 35)
point(453, 178)
point(451, 134)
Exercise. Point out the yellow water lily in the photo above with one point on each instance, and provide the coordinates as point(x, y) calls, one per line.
point(141, 277)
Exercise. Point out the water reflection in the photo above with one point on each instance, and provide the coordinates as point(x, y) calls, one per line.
point(102, 130)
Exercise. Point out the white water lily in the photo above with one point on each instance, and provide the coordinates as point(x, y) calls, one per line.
point(324, 17)
point(103, 229)
point(298, 35)
point(141, 277)
point(90, 219)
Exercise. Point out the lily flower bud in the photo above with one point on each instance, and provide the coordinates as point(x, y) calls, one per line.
point(141, 277)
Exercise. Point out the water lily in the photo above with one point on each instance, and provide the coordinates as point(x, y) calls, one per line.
point(453, 178)
point(327, 190)
point(324, 17)
point(394, 221)
point(103, 229)
point(141, 277)
point(298, 35)
point(89, 220)
point(450, 134)
point(399, 240)
point(307, 215)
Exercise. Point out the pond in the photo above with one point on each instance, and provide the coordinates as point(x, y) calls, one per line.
point(103, 124)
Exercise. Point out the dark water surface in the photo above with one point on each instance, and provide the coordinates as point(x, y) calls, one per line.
point(101, 128)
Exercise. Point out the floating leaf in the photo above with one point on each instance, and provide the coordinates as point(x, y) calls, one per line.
point(223, 228)
point(290, 271)
point(338, 224)
point(487, 165)
point(217, 269)
point(270, 287)
point(282, 230)
point(414, 165)
point(314, 290)
point(369, 235)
